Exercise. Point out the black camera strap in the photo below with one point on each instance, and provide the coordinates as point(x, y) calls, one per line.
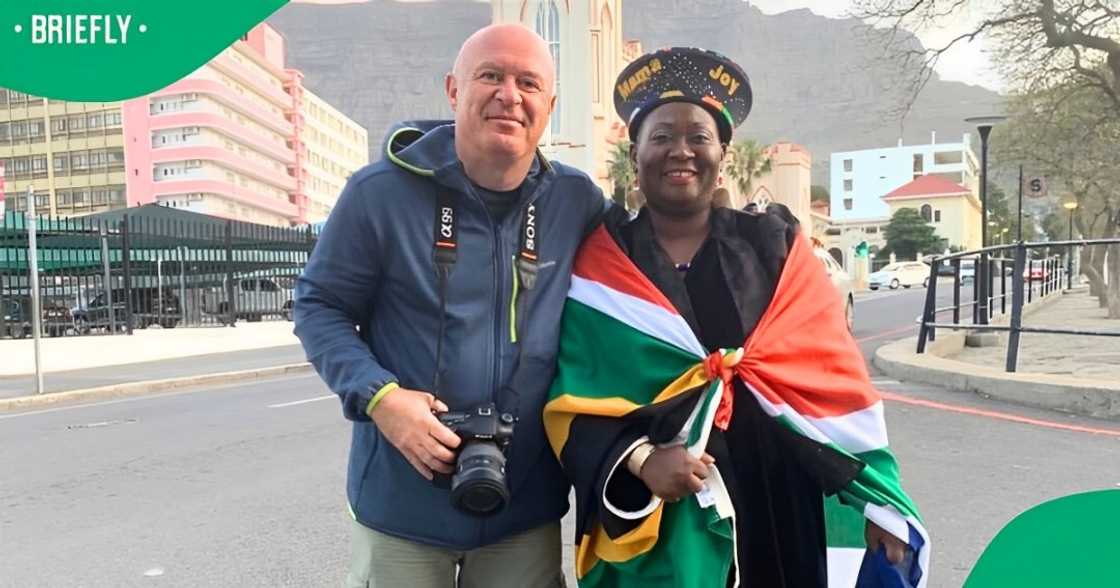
point(445, 253)
point(527, 264)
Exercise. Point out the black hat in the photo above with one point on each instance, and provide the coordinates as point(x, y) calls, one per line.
point(684, 74)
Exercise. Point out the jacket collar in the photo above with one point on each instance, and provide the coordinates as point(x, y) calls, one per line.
point(427, 148)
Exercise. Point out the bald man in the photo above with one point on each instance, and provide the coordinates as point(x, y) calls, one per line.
point(437, 284)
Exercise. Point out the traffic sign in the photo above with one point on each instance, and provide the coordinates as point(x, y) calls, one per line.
point(1034, 186)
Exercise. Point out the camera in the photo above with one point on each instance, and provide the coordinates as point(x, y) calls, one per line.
point(478, 485)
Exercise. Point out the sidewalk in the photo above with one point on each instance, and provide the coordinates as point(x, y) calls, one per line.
point(1069, 373)
point(150, 360)
point(17, 356)
point(151, 371)
point(1095, 358)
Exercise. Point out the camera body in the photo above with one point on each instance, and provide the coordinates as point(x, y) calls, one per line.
point(478, 485)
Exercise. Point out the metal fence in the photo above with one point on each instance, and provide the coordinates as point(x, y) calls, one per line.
point(1019, 278)
point(115, 273)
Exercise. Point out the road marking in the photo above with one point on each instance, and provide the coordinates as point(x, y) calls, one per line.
point(1003, 416)
point(102, 424)
point(885, 382)
point(305, 401)
point(897, 331)
point(154, 396)
point(877, 295)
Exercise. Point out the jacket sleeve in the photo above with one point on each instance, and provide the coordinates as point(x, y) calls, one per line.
point(334, 300)
point(594, 460)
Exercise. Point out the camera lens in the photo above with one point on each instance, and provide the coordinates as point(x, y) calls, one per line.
point(479, 484)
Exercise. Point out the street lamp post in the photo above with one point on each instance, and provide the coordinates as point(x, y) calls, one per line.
point(984, 125)
point(1070, 206)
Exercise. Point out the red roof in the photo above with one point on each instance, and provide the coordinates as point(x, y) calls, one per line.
point(928, 185)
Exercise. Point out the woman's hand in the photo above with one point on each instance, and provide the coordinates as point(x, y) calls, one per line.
point(874, 534)
point(671, 473)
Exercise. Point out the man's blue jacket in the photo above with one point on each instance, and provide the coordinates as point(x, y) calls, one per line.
point(368, 311)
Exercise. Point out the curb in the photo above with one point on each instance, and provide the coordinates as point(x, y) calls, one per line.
point(1092, 398)
point(141, 388)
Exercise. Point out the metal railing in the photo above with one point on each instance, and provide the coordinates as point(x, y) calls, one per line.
point(1029, 277)
point(119, 273)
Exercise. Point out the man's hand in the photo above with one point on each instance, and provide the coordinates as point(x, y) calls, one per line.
point(405, 417)
point(875, 535)
point(671, 473)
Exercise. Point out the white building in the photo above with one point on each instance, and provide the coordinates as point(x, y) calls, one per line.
point(334, 146)
point(586, 43)
point(860, 179)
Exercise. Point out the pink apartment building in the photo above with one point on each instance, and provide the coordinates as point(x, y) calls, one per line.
point(240, 137)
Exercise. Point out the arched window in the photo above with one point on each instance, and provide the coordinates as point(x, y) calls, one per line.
point(548, 27)
point(927, 213)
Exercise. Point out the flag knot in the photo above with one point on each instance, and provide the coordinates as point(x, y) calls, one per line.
point(722, 365)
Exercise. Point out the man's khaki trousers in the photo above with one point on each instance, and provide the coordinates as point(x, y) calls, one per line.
point(529, 560)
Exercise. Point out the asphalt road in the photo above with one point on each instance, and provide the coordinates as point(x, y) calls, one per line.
point(243, 485)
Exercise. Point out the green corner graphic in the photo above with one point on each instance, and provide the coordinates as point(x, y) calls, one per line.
point(1070, 541)
point(105, 50)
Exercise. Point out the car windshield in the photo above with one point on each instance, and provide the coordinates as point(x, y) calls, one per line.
point(894, 267)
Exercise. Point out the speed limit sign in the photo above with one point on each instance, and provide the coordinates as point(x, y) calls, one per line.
point(1035, 186)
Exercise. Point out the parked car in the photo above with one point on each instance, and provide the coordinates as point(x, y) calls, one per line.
point(94, 313)
point(842, 282)
point(155, 306)
point(57, 319)
point(968, 270)
point(1037, 271)
point(150, 306)
point(17, 322)
point(946, 269)
point(900, 273)
point(254, 299)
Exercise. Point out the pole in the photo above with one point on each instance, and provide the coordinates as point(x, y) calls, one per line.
point(1016, 308)
point(1020, 237)
point(126, 261)
point(1069, 253)
point(982, 267)
point(231, 314)
point(33, 262)
point(159, 288)
point(182, 285)
point(106, 267)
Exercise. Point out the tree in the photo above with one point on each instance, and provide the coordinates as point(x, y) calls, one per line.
point(1039, 44)
point(621, 172)
point(1069, 136)
point(748, 161)
point(908, 234)
point(1001, 217)
point(819, 194)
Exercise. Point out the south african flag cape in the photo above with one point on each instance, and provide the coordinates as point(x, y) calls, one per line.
point(626, 351)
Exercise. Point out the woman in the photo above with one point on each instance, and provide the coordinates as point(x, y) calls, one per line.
point(695, 465)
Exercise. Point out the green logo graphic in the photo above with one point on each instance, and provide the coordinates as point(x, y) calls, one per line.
point(1070, 541)
point(105, 50)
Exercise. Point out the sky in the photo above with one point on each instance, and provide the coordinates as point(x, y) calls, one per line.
point(966, 62)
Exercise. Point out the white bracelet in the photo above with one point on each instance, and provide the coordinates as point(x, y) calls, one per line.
point(638, 458)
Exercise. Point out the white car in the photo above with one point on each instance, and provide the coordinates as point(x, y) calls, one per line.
point(900, 273)
point(968, 270)
point(841, 281)
point(256, 298)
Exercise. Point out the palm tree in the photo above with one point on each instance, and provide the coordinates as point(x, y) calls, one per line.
point(621, 171)
point(748, 161)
